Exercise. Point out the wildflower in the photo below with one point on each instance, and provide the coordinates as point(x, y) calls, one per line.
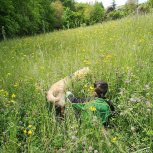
point(95, 151)
point(5, 93)
point(114, 139)
point(1, 90)
point(87, 62)
point(148, 103)
point(15, 85)
point(25, 131)
point(146, 87)
point(92, 108)
point(74, 138)
point(85, 86)
point(12, 101)
point(13, 95)
point(127, 68)
point(109, 57)
point(149, 110)
point(132, 128)
point(90, 148)
point(133, 100)
point(91, 88)
point(30, 126)
point(127, 81)
point(29, 132)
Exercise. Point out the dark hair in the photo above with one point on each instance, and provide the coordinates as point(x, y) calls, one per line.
point(101, 88)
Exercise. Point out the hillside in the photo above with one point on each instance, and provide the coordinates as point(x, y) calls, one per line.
point(119, 52)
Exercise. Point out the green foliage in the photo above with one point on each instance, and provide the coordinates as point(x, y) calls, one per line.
point(58, 14)
point(131, 6)
point(97, 13)
point(119, 52)
point(25, 17)
point(116, 14)
point(71, 19)
point(150, 2)
point(8, 18)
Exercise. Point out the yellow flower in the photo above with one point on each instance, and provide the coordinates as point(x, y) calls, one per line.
point(6, 93)
point(13, 95)
point(91, 88)
point(92, 108)
point(30, 126)
point(114, 139)
point(16, 85)
point(1, 90)
point(108, 57)
point(12, 101)
point(87, 62)
point(29, 132)
point(25, 131)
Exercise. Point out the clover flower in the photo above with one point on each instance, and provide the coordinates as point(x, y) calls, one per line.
point(90, 148)
point(95, 151)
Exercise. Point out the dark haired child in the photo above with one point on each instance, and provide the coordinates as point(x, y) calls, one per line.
point(99, 107)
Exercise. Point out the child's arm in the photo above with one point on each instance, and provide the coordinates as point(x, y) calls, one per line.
point(110, 103)
point(78, 106)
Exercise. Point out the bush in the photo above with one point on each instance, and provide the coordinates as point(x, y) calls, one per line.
point(116, 14)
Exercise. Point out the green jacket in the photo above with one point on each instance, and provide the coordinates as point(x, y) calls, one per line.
point(98, 107)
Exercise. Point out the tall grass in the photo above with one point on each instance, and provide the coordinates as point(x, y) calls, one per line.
point(119, 52)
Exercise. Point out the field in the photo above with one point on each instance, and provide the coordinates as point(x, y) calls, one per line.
point(120, 52)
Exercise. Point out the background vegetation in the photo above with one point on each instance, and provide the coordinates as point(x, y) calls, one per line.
point(119, 52)
point(29, 17)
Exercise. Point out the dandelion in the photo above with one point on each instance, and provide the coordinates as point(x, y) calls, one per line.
point(13, 95)
point(16, 85)
point(92, 108)
point(127, 68)
point(29, 132)
point(109, 57)
point(1, 90)
point(87, 62)
point(12, 101)
point(30, 126)
point(25, 131)
point(5, 93)
point(114, 139)
point(91, 88)
point(85, 86)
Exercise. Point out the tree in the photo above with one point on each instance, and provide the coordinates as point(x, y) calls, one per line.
point(150, 2)
point(114, 4)
point(8, 23)
point(58, 14)
point(97, 13)
point(131, 6)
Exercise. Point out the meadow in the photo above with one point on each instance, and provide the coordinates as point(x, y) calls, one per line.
point(119, 52)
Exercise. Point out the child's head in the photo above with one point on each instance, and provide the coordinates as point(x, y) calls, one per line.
point(101, 88)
